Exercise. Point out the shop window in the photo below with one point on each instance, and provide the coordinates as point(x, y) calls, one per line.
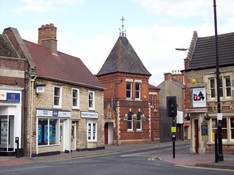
point(224, 128)
point(92, 131)
point(130, 121)
point(75, 98)
point(128, 90)
point(57, 96)
point(138, 91)
point(91, 97)
point(48, 131)
point(139, 121)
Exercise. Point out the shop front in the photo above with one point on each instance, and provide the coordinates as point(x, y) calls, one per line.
point(53, 131)
point(10, 122)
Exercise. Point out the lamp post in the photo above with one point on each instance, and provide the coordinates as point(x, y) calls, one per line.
point(219, 114)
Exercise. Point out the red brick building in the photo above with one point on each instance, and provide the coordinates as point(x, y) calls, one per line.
point(131, 104)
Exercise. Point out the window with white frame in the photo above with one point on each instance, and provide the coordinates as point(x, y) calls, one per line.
point(128, 90)
point(130, 121)
point(139, 121)
point(75, 98)
point(57, 96)
point(138, 91)
point(224, 87)
point(91, 96)
point(92, 131)
point(48, 131)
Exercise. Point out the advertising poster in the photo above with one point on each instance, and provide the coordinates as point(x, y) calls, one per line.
point(39, 133)
point(48, 133)
point(199, 97)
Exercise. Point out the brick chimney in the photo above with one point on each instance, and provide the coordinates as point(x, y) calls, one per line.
point(47, 37)
point(167, 76)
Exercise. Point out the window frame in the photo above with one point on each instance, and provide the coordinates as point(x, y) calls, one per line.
point(139, 121)
point(92, 131)
point(225, 128)
point(130, 121)
point(228, 88)
point(91, 100)
point(57, 96)
point(44, 131)
point(76, 98)
point(128, 90)
point(137, 91)
point(225, 87)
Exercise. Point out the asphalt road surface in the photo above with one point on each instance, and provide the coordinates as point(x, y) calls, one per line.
point(132, 163)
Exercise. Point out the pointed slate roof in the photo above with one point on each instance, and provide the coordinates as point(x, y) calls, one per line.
point(204, 53)
point(123, 58)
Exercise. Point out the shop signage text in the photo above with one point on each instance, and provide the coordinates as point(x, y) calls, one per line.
point(53, 113)
point(89, 114)
point(10, 97)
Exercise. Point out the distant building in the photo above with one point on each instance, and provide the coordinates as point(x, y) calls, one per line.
point(201, 91)
point(131, 104)
point(65, 101)
point(173, 85)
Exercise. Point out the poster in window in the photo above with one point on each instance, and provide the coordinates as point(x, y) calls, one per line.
point(4, 132)
point(50, 133)
point(39, 133)
point(199, 97)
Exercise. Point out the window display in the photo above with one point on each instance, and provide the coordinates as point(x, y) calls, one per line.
point(48, 131)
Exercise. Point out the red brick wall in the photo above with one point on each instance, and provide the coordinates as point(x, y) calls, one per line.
point(115, 87)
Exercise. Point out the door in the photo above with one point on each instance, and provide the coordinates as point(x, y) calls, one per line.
point(73, 137)
point(196, 136)
point(61, 138)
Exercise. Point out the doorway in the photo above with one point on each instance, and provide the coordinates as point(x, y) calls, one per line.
point(196, 135)
point(108, 131)
point(73, 137)
point(61, 138)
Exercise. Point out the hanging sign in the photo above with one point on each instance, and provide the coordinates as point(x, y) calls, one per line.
point(199, 97)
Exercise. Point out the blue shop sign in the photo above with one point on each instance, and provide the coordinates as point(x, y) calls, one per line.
point(13, 97)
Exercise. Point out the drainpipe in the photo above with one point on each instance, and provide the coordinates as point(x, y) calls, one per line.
point(26, 85)
point(33, 78)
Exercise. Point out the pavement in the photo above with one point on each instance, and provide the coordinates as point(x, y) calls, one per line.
point(182, 156)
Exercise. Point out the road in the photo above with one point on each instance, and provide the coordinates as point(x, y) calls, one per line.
point(138, 162)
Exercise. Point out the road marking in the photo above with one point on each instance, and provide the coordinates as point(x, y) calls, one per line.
point(204, 168)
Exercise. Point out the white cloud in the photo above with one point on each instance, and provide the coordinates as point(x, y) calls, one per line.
point(187, 8)
point(45, 5)
point(155, 44)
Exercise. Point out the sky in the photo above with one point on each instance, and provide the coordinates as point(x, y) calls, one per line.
point(88, 29)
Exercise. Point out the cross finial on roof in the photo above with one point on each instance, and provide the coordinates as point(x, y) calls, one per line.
point(122, 32)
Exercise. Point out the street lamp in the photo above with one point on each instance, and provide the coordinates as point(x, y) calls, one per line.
point(182, 49)
point(219, 114)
